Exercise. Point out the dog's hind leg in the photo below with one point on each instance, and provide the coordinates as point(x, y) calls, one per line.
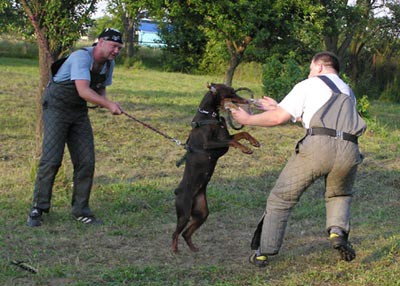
point(183, 206)
point(199, 216)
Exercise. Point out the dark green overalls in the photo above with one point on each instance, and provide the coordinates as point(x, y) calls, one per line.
point(66, 121)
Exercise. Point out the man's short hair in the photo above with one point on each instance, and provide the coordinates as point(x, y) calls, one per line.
point(328, 59)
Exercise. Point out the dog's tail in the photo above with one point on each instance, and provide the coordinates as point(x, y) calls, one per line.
point(181, 160)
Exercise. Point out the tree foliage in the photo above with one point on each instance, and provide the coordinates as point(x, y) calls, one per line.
point(13, 20)
point(180, 31)
point(128, 14)
point(57, 23)
point(235, 24)
point(208, 35)
point(279, 75)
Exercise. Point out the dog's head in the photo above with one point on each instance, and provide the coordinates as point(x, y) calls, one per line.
point(225, 94)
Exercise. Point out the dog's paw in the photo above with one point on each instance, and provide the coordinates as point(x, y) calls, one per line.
point(247, 151)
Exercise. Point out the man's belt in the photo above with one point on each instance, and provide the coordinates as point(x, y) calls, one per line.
point(333, 133)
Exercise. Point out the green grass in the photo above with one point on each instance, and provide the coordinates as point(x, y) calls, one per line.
point(133, 192)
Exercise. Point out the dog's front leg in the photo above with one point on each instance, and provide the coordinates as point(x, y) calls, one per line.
point(236, 144)
point(245, 135)
point(227, 143)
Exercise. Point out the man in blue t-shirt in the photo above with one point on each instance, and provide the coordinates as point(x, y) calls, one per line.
point(79, 79)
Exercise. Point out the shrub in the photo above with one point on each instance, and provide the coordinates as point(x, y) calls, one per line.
point(215, 59)
point(391, 92)
point(249, 71)
point(14, 48)
point(363, 106)
point(279, 76)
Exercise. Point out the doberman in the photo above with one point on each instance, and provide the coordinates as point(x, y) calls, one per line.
point(208, 140)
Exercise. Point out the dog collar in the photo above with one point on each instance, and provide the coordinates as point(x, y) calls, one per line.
point(213, 114)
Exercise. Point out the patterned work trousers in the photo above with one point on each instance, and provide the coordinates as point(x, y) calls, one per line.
point(319, 156)
point(66, 126)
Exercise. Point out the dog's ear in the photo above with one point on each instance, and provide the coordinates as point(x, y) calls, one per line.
point(212, 88)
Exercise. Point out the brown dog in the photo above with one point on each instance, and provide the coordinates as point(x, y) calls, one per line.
point(208, 140)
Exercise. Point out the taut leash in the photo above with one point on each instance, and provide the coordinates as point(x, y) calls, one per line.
point(176, 141)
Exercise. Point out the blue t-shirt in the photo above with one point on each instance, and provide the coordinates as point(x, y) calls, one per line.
point(78, 66)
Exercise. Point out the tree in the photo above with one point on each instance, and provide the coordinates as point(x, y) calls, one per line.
point(293, 31)
point(341, 22)
point(57, 25)
point(351, 30)
point(238, 23)
point(129, 13)
point(265, 21)
point(12, 19)
point(180, 31)
point(381, 53)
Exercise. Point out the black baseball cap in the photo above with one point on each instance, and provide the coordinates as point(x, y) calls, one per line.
point(111, 34)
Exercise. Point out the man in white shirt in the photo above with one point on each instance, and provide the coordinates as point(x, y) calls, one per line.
point(326, 106)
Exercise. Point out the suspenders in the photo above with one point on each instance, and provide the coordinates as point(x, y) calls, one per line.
point(328, 131)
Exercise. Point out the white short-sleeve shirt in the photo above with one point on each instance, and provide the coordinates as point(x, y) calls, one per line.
point(309, 95)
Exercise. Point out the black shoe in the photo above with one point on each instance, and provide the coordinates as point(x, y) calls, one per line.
point(88, 220)
point(35, 217)
point(258, 260)
point(340, 243)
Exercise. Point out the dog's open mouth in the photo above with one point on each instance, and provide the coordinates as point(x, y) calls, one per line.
point(234, 104)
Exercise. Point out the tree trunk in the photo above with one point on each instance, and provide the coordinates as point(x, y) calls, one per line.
point(129, 39)
point(234, 61)
point(126, 23)
point(236, 54)
point(331, 43)
point(44, 67)
point(129, 29)
point(355, 50)
point(45, 61)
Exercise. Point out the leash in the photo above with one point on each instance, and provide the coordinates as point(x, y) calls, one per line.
point(25, 266)
point(176, 141)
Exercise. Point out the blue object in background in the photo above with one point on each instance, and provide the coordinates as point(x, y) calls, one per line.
point(148, 34)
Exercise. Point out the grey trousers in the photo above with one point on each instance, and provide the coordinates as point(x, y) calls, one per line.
point(319, 156)
point(62, 126)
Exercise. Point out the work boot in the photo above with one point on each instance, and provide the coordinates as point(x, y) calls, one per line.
point(35, 217)
point(258, 260)
point(341, 244)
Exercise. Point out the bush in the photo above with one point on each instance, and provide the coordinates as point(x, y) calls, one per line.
point(280, 76)
point(15, 48)
point(391, 92)
point(363, 106)
point(249, 71)
point(215, 59)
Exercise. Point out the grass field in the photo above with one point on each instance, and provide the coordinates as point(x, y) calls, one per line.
point(133, 193)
